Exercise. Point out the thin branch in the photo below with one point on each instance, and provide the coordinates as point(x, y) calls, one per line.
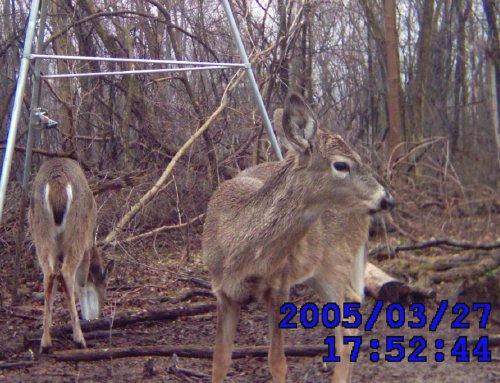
point(157, 186)
point(160, 229)
point(43, 152)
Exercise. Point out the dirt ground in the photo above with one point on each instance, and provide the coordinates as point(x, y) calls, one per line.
point(137, 287)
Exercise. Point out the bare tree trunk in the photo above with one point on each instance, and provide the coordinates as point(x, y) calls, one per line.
point(393, 78)
point(494, 105)
point(305, 79)
point(424, 59)
point(284, 68)
point(493, 68)
point(494, 39)
point(460, 92)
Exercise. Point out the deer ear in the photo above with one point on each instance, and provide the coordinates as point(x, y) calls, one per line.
point(278, 127)
point(299, 125)
point(109, 270)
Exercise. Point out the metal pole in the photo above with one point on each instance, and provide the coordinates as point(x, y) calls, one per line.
point(133, 60)
point(253, 82)
point(35, 98)
point(138, 71)
point(18, 98)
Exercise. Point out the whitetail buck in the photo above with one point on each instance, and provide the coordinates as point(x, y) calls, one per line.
point(62, 218)
point(261, 237)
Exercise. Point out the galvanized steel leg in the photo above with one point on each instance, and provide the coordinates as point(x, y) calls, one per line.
point(251, 77)
point(18, 98)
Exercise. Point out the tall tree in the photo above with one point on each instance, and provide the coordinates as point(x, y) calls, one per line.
point(493, 68)
point(423, 64)
point(491, 11)
point(393, 76)
point(460, 92)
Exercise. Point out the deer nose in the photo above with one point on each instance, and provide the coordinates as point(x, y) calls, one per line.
point(388, 202)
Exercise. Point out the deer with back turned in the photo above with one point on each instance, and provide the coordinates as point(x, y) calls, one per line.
point(62, 218)
point(262, 236)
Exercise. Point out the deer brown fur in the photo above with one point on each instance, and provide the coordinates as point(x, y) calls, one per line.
point(258, 233)
point(62, 218)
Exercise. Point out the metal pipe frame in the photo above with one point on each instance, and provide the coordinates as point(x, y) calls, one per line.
point(18, 102)
point(251, 77)
point(23, 73)
point(133, 60)
point(138, 71)
point(23, 205)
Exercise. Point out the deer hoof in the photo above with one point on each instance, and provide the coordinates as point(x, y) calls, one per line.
point(46, 349)
point(80, 344)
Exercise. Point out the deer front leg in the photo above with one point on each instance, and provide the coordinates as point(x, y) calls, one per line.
point(351, 296)
point(332, 289)
point(276, 357)
point(81, 285)
point(227, 320)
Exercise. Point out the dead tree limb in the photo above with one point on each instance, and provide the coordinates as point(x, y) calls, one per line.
point(201, 352)
point(486, 264)
point(181, 351)
point(125, 319)
point(21, 363)
point(384, 251)
point(126, 180)
point(146, 198)
point(93, 335)
point(42, 152)
point(162, 228)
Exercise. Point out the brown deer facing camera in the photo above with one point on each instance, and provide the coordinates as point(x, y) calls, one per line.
point(263, 235)
point(62, 218)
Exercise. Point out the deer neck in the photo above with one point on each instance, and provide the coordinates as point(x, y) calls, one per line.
point(286, 205)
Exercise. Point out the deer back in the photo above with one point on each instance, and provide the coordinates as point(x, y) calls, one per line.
point(63, 210)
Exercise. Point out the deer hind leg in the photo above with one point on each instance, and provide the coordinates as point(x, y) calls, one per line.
point(49, 286)
point(68, 272)
point(227, 320)
point(277, 361)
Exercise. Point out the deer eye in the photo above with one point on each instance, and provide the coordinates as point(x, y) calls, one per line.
point(341, 166)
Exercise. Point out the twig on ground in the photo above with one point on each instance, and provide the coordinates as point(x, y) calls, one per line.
point(188, 295)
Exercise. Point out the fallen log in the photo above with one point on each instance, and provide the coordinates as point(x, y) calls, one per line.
point(22, 363)
point(93, 335)
point(381, 286)
point(200, 352)
point(125, 319)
